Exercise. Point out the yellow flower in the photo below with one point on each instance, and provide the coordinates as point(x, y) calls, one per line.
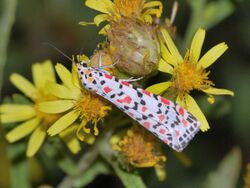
point(34, 122)
point(116, 9)
point(189, 73)
point(247, 177)
point(140, 150)
point(75, 102)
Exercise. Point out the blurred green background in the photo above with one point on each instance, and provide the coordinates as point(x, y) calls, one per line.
point(56, 22)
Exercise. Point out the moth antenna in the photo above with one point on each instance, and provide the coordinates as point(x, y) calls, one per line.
point(58, 50)
point(174, 12)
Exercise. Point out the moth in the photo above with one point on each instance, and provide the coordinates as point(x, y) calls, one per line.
point(167, 120)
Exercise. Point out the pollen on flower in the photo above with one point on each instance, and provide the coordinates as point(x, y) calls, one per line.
point(139, 149)
point(92, 109)
point(189, 76)
point(129, 8)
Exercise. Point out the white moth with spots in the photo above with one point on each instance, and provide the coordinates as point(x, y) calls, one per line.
point(168, 121)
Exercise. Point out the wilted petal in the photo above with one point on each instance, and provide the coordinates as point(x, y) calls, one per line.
point(63, 122)
point(212, 55)
point(22, 130)
point(36, 140)
point(197, 43)
point(159, 88)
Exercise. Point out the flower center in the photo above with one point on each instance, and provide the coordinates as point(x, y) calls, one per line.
point(129, 8)
point(92, 107)
point(138, 149)
point(189, 76)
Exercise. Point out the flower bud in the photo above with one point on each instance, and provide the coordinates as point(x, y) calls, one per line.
point(134, 47)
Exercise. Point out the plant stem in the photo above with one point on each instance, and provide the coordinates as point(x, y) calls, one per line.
point(6, 22)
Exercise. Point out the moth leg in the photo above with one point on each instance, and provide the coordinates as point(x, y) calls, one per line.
point(131, 79)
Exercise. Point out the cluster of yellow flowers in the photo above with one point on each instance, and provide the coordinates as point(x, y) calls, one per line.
point(140, 46)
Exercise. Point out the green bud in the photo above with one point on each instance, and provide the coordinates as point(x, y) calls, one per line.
point(134, 47)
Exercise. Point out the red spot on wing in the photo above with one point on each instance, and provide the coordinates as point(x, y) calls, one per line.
point(162, 131)
point(107, 89)
point(161, 117)
point(146, 124)
point(165, 101)
point(144, 108)
point(177, 133)
point(146, 92)
point(125, 83)
point(127, 99)
point(166, 141)
point(109, 76)
point(181, 111)
point(184, 122)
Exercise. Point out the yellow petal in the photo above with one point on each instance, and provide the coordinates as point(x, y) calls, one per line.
point(65, 75)
point(104, 6)
point(213, 54)
point(48, 70)
point(24, 85)
point(83, 23)
point(156, 12)
point(151, 4)
point(61, 91)
point(167, 56)
point(159, 88)
point(100, 18)
point(197, 43)
point(147, 18)
point(36, 140)
point(63, 122)
point(42, 72)
point(75, 76)
point(217, 91)
point(165, 67)
point(22, 130)
point(104, 30)
point(171, 46)
point(69, 137)
point(14, 108)
point(55, 107)
point(15, 113)
point(194, 109)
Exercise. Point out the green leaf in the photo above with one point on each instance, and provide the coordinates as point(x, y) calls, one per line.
point(217, 11)
point(227, 173)
point(99, 167)
point(19, 166)
point(206, 15)
point(56, 153)
point(129, 179)
point(6, 21)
